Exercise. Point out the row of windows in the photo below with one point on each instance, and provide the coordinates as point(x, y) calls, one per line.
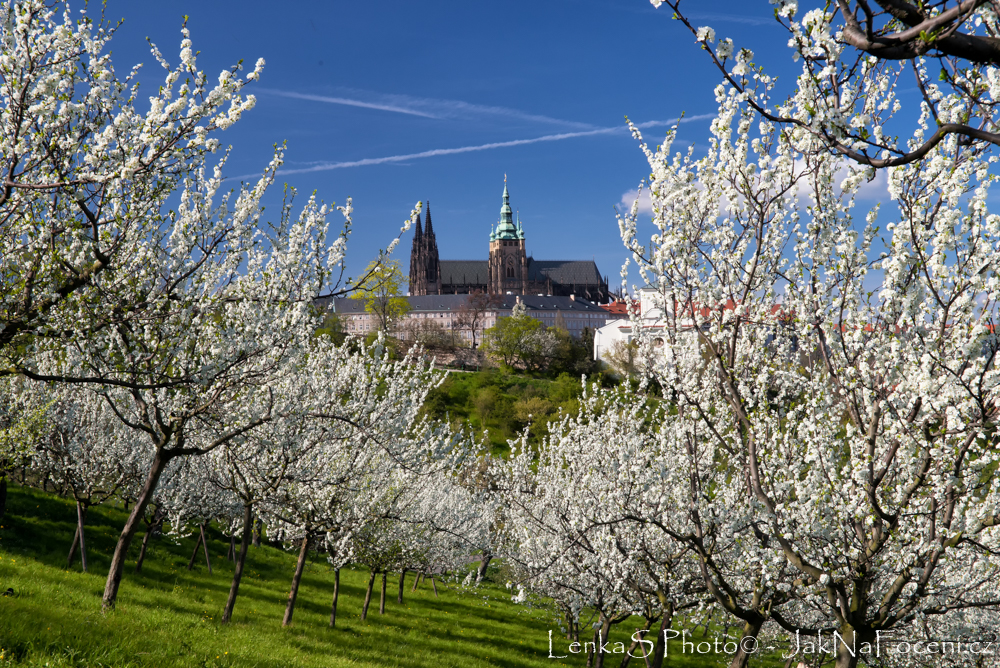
point(576, 322)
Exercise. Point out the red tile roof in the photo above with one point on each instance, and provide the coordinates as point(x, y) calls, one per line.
point(620, 307)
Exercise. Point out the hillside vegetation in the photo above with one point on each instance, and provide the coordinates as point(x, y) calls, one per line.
point(501, 404)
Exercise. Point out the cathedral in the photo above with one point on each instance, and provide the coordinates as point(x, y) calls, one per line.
point(509, 270)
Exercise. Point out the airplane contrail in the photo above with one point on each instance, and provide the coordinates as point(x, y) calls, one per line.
point(326, 166)
point(429, 107)
point(348, 102)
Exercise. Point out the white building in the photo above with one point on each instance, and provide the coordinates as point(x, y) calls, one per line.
point(445, 312)
point(621, 329)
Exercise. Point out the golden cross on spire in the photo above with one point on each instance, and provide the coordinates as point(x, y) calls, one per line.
point(505, 178)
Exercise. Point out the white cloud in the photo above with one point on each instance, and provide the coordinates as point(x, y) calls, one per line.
point(645, 204)
point(876, 189)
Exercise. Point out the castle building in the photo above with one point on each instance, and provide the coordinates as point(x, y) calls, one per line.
point(508, 271)
point(445, 313)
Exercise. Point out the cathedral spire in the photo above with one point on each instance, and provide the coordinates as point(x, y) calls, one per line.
point(506, 229)
point(419, 233)
point(430, 230)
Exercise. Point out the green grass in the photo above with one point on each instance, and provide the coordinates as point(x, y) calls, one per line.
point(168, 616)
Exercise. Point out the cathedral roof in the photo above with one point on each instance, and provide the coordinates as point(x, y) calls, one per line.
point(564, 272)
point(465, 272)
point(560, 272)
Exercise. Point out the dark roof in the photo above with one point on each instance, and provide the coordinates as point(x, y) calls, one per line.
point(344, 305)
point(560, 272)
point(419, 303)
point(464, 272)
point(424, 303)
point(549, 303)
point(564, 272)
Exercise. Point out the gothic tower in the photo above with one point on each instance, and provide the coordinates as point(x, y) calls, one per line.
point(508, 264)
point(425, 268)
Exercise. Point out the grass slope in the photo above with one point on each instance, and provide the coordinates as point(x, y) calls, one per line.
point(168, 616)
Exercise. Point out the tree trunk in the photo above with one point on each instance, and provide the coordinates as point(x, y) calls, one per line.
point(708, 623)
point(660, 649)
point(416, 581)
point(602, 637)
point(843, 647)
point(156, 523)
point(73, 546)
point(368, 595)
point(381, 600)
point(750, 628)
point(204, 544)
point(592, 650)
point(194, 553)
point(234, 588)
point(3, 495)
point(258, 529)
point(434, 584)
point(231, 554)
point(336, 592)
point(402, 576)
point(299, 567)
point(484, 563)
point(631, 650)
point(81, 514)
point(142, 550)
point(131, 525)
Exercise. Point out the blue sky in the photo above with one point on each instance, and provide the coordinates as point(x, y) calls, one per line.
point(356, 86)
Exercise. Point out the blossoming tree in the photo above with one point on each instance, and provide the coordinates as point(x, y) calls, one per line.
point(181, 318)
point(86, 174)
point(842, 366)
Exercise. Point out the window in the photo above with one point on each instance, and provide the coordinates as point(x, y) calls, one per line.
point(510, 271)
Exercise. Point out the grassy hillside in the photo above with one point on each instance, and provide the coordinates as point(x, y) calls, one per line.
point(168, 616)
